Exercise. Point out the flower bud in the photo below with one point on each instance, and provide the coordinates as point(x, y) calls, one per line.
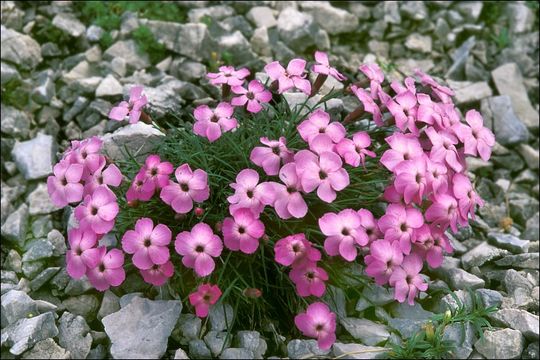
point(447, 316)
point(199, 211)
point(180, 217)
point(218, 226)
point(133, 203)
point(252, 293)
point(430, 330)
point(265, 238)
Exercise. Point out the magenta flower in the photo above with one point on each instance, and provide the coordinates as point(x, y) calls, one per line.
point(81, 254)
point(343, 231)
point(402, 147)
point(288, 200)
point(132, 107)
point(192, 186)
point(391, 195)
point(354, 151)
point(158, 275)
point(157, 173)
point(205, 296)
point(444, 148)
point(323, 66)
point(466, 196)
point(318, 322)
point(444, 211)
point(369, 223)
point(404, 108)
point(271, 156)
point(109, 176)
point(431, 242)
point(442, 92)
point(87, 154)
point(399, 223)
point(319, 122)
point(242, 231)
point(147, 244)
point(211, 123)
point(375, 75)
point(321, 143)
point(436, 177)
point(476, 138)
point(406, 279)
point(98, 211)
point(411, 180)
point(136, 190)
point(293, 76)
point(65, 186)
point(253, 96)
point(309, 279)
point(249, 193)
point(384, 256)
point(197, 247)
point(295, 250)
point(228, 75)
point(324, 173)
point(369, 104)
point(109, 270)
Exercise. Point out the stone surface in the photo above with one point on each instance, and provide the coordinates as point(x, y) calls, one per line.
point(472, 93)
point(463, 336)
point(16, 305)
point(417, 42)
point(261, 16)
point(502, 118)
point(300, 349)
point(34, 158)
point(127, 50)
point(358, 351)
point(501, 344)
point(142, 328)
point(251, 340)
point(199, 350)
point(296, 29)
point(47, 349)
point(109, 86)
point(74, 335)
point(510, 242)
point(237, 353)
point(20, 49)
point(15, 122)
point(39, 201)
point(332, 19)
point(24, 333)
point(139, 138)
point(220, 317)
point(369, 332)
point(84, 305)
point(217, 341)
point(481, 254)
point(109, 304)
point(69, 24)
point(16, 225)
point(520, 320)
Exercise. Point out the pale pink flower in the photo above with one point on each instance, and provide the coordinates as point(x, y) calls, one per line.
point(369, 223)
point(406, 279)
point(81, 254)
point(157, 173)
point(253, 96)
point(192, 186)
point(321, 143)
point(443, 93)
point(132, 107)
point(197, 247)
point(476, 138)
point(109, 176)
point(431, 242)
point(291, 77)
point(109, 270)
point(404, 108)
point(343, 231)
point(444, 211)
point(228, 75)
point(402, 147)
point(354, 151)
point(242, 231)
point(411, 179)
point(436, 177)
point(391, 195)
point(205, 296)
point(375, 75)
point(288, 200)
point(318, 322)
point(136, 189)
point(444, 148)
point(295, 250)
point(318, 122)
point(148, 244)
point(65, 186)
point(98, 211)
point(323, 66)
point(271, 156)
point(466, 197)
point(384, 256)
point(249, 193)
point(158, 275)
point(212, 123)
point(399, 223)
point(369, 104)
point(87, 154)
point(309, 279)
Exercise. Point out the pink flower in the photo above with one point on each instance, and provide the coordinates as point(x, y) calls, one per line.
point(399, 223)
point(369, 223)
point(391, 195)
point(324, 173)
point(147, 244)
point(227, 75)
point(406, 279)
point(157, 173)
point(295, 250)
point(65, 186)
point(354, 151)
point(198, 247)
point(443, 211)
point(82, 254)
point(319, 122)
point(443, 148)
point(321, 143)
point(192, 186)
point(436, 177)
point(318, 322)
point(404, 108)
point(411, 179)
point(205, 296)
point(254, 95)
point(87, 154)
point(343, 231)
point(402, 147)
point(369, 104)
point(384, 256)
point(292, 77)
point(132, 108)
point(309, 279)
point(98, 211)
point(271, 156)
point(158, 275)
point(109, 176)
point(242, 231)
point(477, 138)
point(375, 75)
point(431, 242)
point(288, 200)
point(444, 93)
point(249, 193)
point(323, 66)
point(211, 123)
point(109, 270)
point(136, 190)
point(465, 195)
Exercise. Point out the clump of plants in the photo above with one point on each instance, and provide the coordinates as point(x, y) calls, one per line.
point(263, 205)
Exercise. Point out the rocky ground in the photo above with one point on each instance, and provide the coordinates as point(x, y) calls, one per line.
point(61, 72)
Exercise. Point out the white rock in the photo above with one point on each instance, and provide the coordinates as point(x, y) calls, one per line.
point(109, 87)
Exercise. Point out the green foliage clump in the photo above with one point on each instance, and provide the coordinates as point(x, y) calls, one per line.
point(147, 42)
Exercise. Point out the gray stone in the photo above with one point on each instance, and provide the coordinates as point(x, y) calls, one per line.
point(189, 326)
point(413, 312)
point(531, 229)
point(332, 19)
point(12, 16)
point(369, 332)
point(109, 304)
point(391, 12)
point(502, 118)
point(358, 351)
point(481, 254)
point(74, 335)
point(360, 10)
point(417, 42)
point(508, 241)
point(78, 286)
point(509, 81)
point(532, 351)
point(118, 66)
point(31, 269)
point(180, 354)
point(261, 16)
point(303, 349)
point(139, 139)
point(13, 261)
point(69, 24)
point(519, 288)
point(94, 33)
point(34, 158)
point(47, 349)
point(109, 86)
point(38, 249)
point(501, 344)
point(522, 207)
point(460, 279)
point(16, 305)
point(128, 298)
point(406, 327)
point(15, 122)
point(84, 305)
point(260, 42)
point(58, 242)
point(188, 70)
point(415, 10)
point(472, 93)
point(487, 297)
point(217, 341)
point(19, 49)
point(238, 46)
point(233, 23)
point(16, 224)
point(520, 320)
point(221, 317)
point(521, 17)
point(43, 277)
point(199, 350)
point(8, 276)
point(463, 336)
point(297, 30)
point(99, 352)
point(23, 334)
point(142, 328)
point(128, 50)
point(530, 155)
point(252, 341)
point(50, 49)
point(8, 73)
point(521, 261)
point(217, 12)
point(41, 226)
point(237, 353)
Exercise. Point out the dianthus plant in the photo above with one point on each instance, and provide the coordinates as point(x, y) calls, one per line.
point(266, 206)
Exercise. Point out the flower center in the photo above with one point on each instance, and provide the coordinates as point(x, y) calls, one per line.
point(78, 251)
point(93, 210)
point(250, 95)
point(369, 231)
point(199, 249)
point(101, 267)
point(322, 130)
point(155, 267)
point(406, 156)
point(275, 150)
point(319, 327)
point(249, 194)
point(296, 248)
point(100, 180)
point(322, 175)
point(206, 297)
point(139, 183)
point(64, 181)
point(147, 242)
point(345, 232)
point(418, 178)
point(184, 187)
point(291, 189)
point(403, 227)
point(153, 172)
point(241, 230)
point(310, 275)
point(84, 154)
point(408, 279)
point(214, 119)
